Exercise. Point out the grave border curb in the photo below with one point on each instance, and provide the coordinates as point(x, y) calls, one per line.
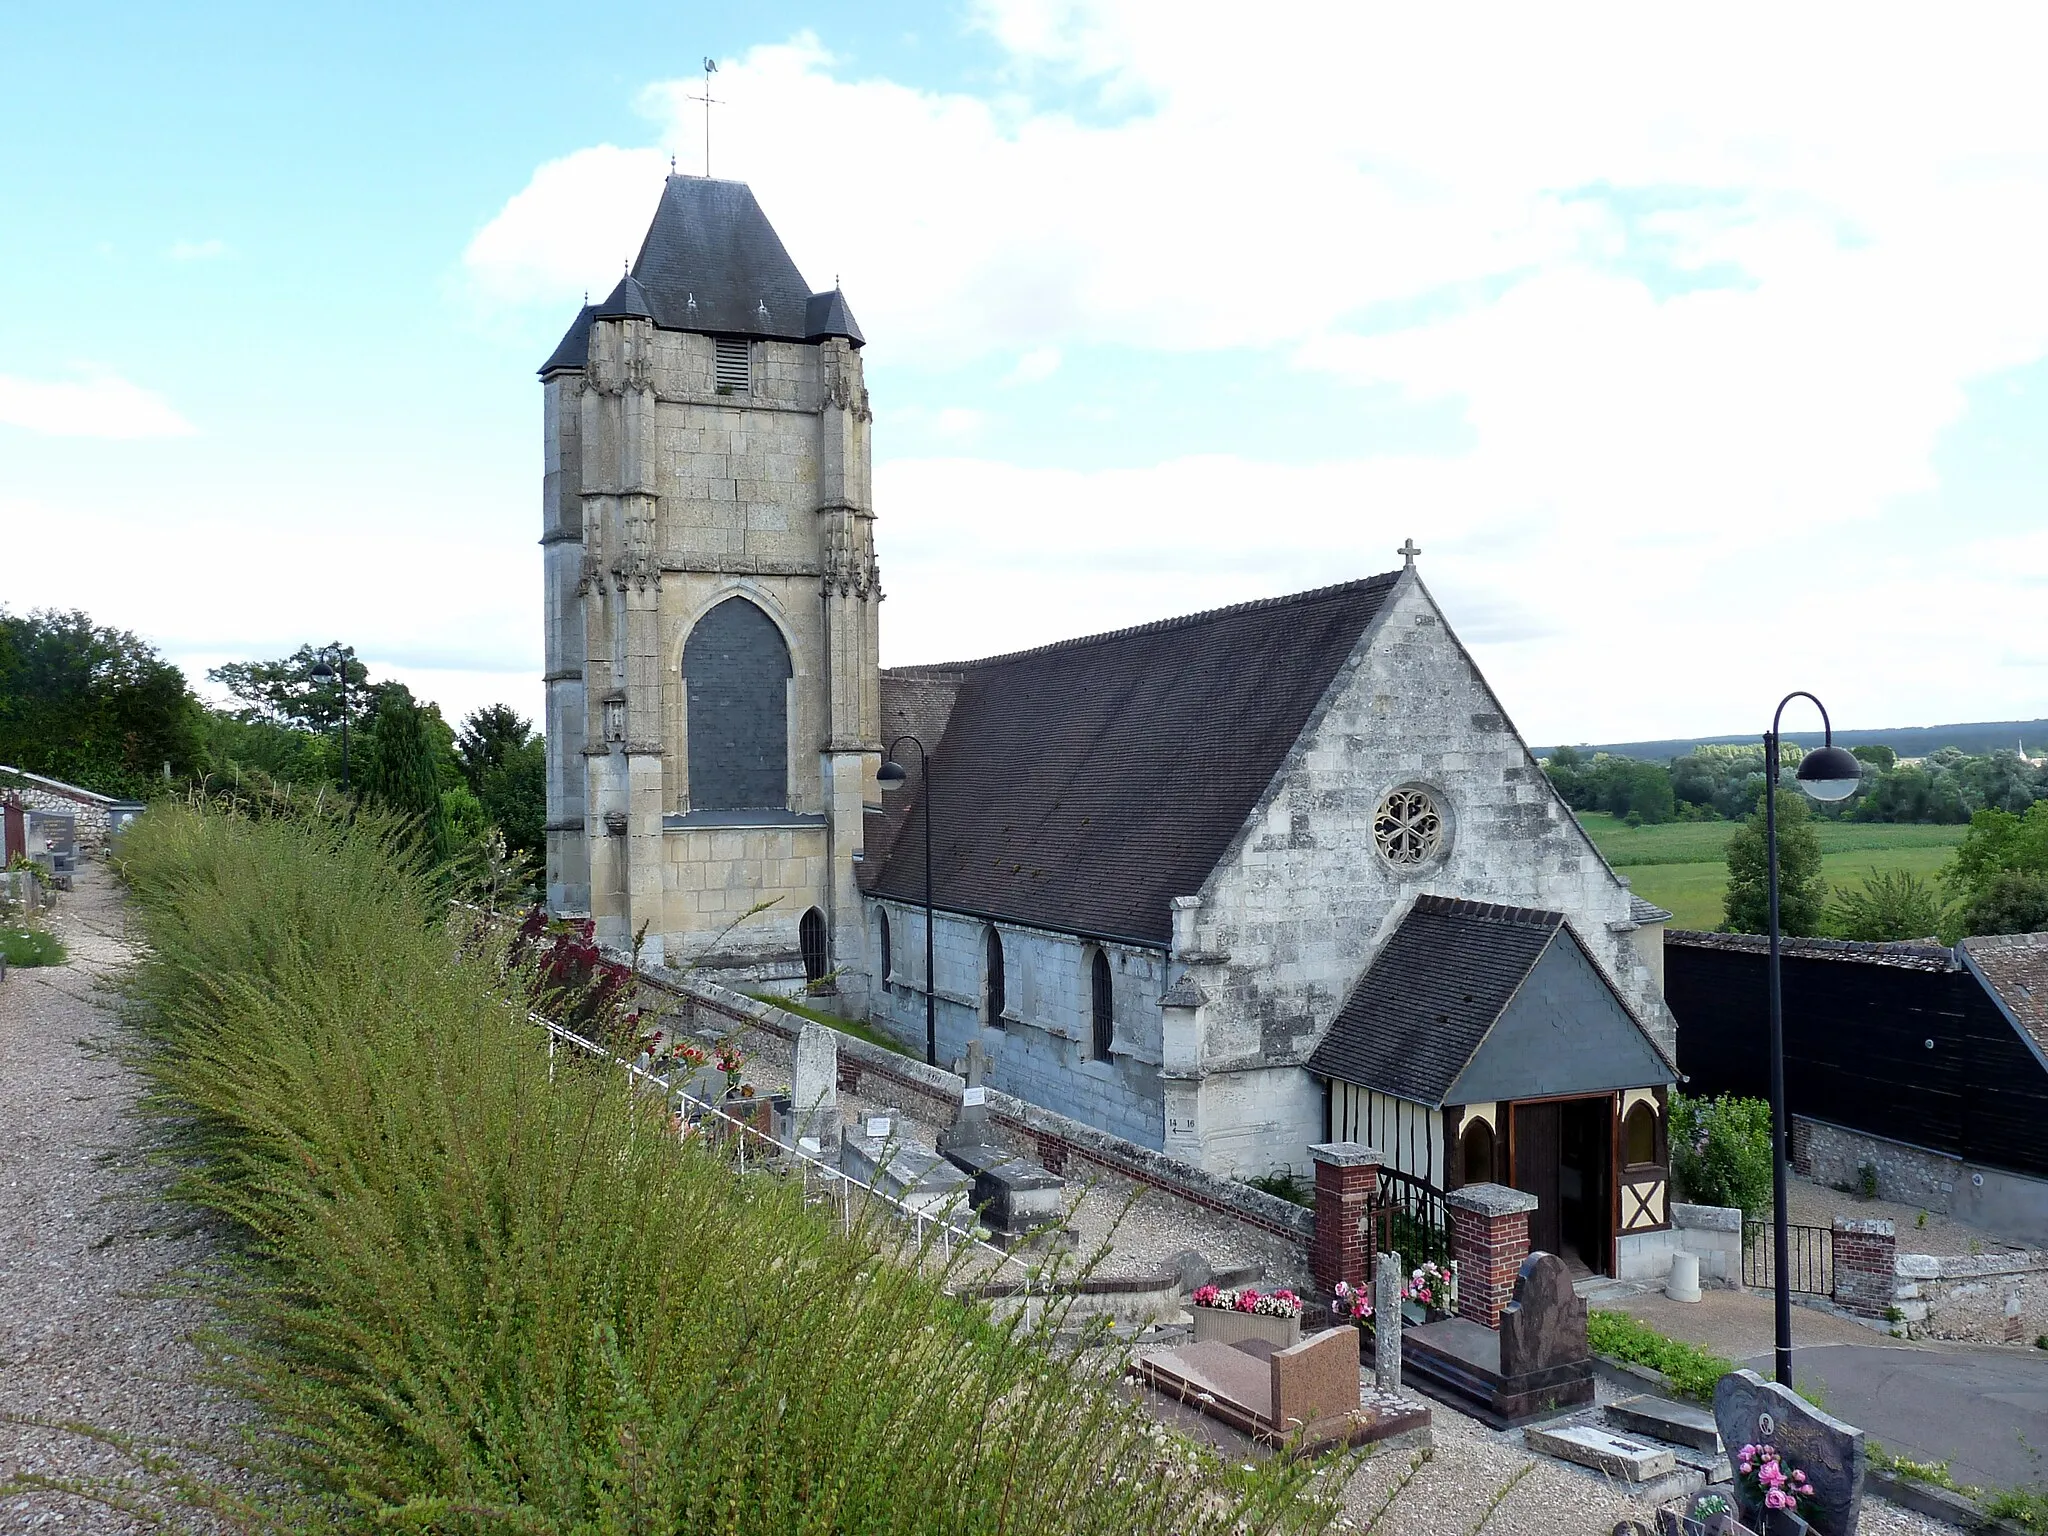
point(1938, 1503)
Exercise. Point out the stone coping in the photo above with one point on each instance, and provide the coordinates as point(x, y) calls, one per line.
point(1490, 1200)
point(1346, 1154)
point(1874, 1226)
point(1706, 1218)
point(1931, 1266)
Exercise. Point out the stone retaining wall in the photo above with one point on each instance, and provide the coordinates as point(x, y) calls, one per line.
point(1994, 1298)
point(1064, 1145)
point(2012, 1205)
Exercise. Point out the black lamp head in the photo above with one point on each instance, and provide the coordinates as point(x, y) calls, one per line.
point(892, 775)
point(322, 672)
point(1829, 773)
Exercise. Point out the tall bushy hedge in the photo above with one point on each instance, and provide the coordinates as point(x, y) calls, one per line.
point(484, 1293)
point(1721, 1150)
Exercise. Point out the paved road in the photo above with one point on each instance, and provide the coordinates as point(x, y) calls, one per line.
point(1982, 1409)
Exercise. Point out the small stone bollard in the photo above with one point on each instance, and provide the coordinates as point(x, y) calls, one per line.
point(1387, 1284)
point(1683, 1283)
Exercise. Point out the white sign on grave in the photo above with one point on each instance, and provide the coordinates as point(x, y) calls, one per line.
point(879, 1127)
point(973, 1096)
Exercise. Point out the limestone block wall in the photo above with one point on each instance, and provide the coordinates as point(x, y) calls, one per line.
point(1040, 1046)
point(1996, 1298)
point(1713, 1233)
point(2012, 1205)
point(1303, 898)
point(712, 876)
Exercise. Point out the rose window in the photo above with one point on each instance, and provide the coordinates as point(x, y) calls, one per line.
point(1408, 827)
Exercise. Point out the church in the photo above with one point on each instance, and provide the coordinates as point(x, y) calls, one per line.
point(1224, 885)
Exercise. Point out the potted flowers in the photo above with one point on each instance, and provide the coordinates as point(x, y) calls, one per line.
point(1431, 1292)
point(1231, 1317)
point(1352, 1305)
point(1768, 1485)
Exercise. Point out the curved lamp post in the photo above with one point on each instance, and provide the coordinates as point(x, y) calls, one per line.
point(333, 663)
point(893, 775)
point(1826, 773)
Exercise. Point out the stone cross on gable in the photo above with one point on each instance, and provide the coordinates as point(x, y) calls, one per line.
point(1408, 552)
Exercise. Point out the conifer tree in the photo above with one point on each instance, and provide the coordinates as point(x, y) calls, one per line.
point(402, 772)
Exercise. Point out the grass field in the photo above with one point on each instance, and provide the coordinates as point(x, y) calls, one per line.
point(1681, 864)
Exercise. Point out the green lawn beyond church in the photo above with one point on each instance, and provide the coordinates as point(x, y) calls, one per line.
point(1681, 864)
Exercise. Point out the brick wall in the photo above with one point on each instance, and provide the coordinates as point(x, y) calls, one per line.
point(1489, 1239)
point(1347, 1177)
point(1866, 1262)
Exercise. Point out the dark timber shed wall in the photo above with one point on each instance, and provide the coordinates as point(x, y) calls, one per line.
point(1856, 1050)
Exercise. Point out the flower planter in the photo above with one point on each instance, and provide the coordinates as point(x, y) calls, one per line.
point(1214, 1325)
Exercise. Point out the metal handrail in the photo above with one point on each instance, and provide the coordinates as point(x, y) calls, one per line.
point(846, 1183)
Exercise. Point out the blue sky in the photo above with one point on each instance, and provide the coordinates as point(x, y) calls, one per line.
point(1699, 371)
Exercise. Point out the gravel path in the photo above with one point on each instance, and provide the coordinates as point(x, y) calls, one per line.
point(81, 1246)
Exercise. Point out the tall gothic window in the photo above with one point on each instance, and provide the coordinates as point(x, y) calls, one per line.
point(1102, 1011)
point(883, 919)
point(735, 676)
point(992, 978)
point(810, 938)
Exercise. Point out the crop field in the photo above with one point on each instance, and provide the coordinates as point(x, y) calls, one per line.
point(1682, 864)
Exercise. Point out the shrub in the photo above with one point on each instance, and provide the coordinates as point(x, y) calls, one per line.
point(1692, 1370)
point(481, 1289)
point(1721, 1150)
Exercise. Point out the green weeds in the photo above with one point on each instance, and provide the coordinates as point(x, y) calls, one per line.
point(1693, 1372)
point(30, 946)
point(480, 1290)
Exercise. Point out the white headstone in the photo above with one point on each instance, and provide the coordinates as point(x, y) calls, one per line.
point(1387, 1284)
point(814, 1084)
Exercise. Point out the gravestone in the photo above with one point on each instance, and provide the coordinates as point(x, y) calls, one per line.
point(1014, 1194)
point(919, 1181)
point(970, 1124)
point(814, 1089)
point(1545, 1325)
point(1751, 1411)
point(1387, 1284)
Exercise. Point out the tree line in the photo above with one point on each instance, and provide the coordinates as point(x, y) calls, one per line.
point(100, 708)
point(1725, 783)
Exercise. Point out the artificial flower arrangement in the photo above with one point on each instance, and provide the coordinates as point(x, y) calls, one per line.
point(1282, 1303)
point(1763, 1474)
point(1433, 1287)
point(730, 1058)
point(1351, 1303)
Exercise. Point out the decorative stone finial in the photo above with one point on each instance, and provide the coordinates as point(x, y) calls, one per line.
point(1408, 552)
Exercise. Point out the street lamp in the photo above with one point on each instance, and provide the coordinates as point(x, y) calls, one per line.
point(1826, 773)
point(893, 775)
point(326, 671)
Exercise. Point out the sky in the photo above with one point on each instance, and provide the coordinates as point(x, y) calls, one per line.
point(1704, 354)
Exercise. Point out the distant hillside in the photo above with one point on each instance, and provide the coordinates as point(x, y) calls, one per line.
point(1906, 740)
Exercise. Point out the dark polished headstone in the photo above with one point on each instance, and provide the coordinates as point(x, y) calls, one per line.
point(1545, 1325)
point(1751, 1411)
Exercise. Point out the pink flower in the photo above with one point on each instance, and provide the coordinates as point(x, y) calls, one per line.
point(1774, 1500)
point(1745, 1453)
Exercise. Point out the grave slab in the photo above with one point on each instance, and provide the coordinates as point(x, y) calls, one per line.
point(1586, 1445)
point(1661, 1419)
point(1014, 1194)
point(923, 1181)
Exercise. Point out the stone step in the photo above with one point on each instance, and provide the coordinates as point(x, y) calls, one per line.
point(1659, 1418)
point(1586, 1445)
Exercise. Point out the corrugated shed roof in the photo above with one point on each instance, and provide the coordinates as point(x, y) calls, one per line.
point(1083, 785)
point(1921, 956)
point(1431, 994)
point(2015, 966)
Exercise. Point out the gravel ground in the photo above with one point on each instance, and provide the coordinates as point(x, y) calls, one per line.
point(82, 1340)
point(1815, 1205)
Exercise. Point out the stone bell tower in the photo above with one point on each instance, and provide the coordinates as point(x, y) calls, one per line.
point(712, 602)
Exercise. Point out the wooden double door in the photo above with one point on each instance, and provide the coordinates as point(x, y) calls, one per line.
point(1563, 1154)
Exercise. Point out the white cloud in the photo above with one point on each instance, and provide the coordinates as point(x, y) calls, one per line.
point(1706, 304)
point(197, 250)
point(98, 406)
point(1035, 366)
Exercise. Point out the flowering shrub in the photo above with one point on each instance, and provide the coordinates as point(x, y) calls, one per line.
point(573, 983)
point(1282, 1303)
point(1433, 1287)
point(1763, 1474)
point(1353, 1304)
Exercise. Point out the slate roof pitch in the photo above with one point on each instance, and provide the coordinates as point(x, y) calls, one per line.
point(572, 352)
point(1081, 786)
point(1922, 955)
point(628, 301)
point(1429, 997)
point(1641, 911)
point(2015, 966)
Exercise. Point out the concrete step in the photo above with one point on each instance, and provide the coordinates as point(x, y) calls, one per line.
point(1661, 1419)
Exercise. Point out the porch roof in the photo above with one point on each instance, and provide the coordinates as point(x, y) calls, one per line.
point(1470, 1001)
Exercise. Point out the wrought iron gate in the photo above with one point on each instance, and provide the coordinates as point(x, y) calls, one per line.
point(1811, 1251)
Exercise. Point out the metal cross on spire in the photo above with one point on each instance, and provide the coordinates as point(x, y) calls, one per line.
point(710, 69)
point(1408, 552)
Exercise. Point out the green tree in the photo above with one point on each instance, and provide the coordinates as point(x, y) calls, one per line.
point(2010, 901)
point(285, 692)
point(1802, 892)
point(515, 794)
point(1889, 906)
point(486, 736)
point(400, 768)
point(1999, 875)
point(1876, 754)
point(95, 706)
point(1721, 1150)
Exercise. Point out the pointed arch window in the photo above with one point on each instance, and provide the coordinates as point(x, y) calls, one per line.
point(736, 675)
point(810, 937)
point(882, 918)
point(1102, 1006)
point(994, 998)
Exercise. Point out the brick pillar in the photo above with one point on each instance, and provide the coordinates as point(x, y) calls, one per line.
point(1347, 1177)
point(1866, 1260)
point(1489, 1240)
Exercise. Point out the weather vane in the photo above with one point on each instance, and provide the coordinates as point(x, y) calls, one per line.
point(710, 69)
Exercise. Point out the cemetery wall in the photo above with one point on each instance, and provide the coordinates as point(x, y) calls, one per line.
point(2013, 1205)
point(1295, 910)
point(1998, 1298)
point(1040, 1046)
point(1713, 1232)
point(1061, 1143)
point(89, 811)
